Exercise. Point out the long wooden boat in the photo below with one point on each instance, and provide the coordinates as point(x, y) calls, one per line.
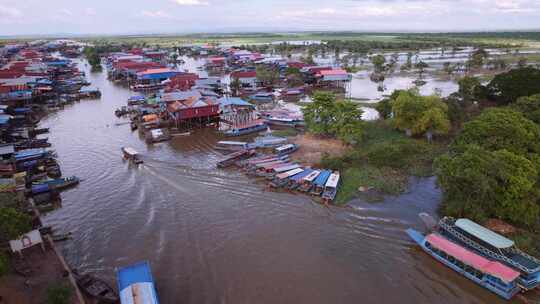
point(294, 181)
point(96, 288)
point(493, 246)
point(320, 182)
point(59, 183)
point(307, 182)
point(286, 149)
point(331, 187)
point(252, 127)
point(492, 275)
point(283, 178)
point(234, 157)
point(131, 155)
point(136, 284)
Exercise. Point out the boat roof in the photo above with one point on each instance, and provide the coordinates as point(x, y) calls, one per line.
point(470, 258)
point(232, 143)
point(484, 234)
point(321, 179)
point(130, 151)
point(286, 168)
point(285, 147)
point(156, 132)
point(141, 275)
point(290, 173)
point(312, 176)
point(270, 163)
point(301, 175)
point(333, 180)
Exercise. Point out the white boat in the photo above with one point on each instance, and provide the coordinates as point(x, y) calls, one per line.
point(132, 155)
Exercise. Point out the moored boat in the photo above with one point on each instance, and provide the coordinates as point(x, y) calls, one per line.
point(320, 182)
point(492, 275)
point(307, 182)
point(59, 183)
point(282, 179)
point(234, 157)
point(252, 127)
point(96, 288)
point(286, 149)
point(331, 187)
point(493, 246)
point(136, 284)
point(294, 181)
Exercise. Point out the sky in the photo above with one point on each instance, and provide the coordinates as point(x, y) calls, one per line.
point(50, 17)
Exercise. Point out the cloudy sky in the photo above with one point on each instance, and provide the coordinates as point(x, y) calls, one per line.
point(29, 17)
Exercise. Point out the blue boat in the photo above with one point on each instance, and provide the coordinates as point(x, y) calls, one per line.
point(136, 284)
point(37, 189)
point(59, 183)
point(492, 275)
point(492, 246)
point(320, 182)
point(256, 126)
point(30, 154)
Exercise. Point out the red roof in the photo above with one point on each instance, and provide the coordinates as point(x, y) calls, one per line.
point(332, 72)
point(472, 259)
point(248, 74)
point(156, 71)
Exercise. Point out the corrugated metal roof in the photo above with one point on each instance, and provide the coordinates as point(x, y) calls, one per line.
point(484, 234)
point(290, 173)
point(312, 176)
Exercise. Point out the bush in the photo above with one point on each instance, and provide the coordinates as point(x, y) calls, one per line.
point(59, 294)
point(4, 264)
point(396, 154)
point(13, 223)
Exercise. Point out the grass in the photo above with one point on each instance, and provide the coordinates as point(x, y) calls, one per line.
point(527, 241)
point(288, 132)
point(383, 162)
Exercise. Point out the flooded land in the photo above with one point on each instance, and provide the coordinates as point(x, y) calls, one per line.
point(216, 236)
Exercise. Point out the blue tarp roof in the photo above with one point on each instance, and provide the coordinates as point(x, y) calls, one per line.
point(136, 98)
point(22, 110)
point(321, 179)
point(29, 153)
point(156, 76)
point(137, 273)
point(301, 175)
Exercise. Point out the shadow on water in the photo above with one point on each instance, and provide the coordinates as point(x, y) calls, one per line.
point(216, 236)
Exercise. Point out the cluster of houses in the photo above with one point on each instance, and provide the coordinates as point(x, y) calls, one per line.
point(231, 102)
point(32, 80)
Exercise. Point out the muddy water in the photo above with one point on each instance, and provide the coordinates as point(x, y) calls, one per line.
point(215, 236)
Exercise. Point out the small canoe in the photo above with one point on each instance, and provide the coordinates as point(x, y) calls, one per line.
point(96, 288)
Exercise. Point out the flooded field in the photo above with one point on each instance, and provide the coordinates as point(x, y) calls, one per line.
point(215, 236)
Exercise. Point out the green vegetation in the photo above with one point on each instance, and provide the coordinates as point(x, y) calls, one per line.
point(13, 224)
point(508, 87)
point(59, 294)
point(327, 116)
point(287, 132)
point(267, 76)
point(383, 161)
point(416, 114)
point(4, 263)
point(93, 56)
point(529, 106)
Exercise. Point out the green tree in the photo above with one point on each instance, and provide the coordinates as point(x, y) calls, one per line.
point(500, 128)
point(330, 117)
point(235, 86)
point(416, 114)
point(477, 58)
point(467, 88)
point(529, 106)
point(13, 224)
point(378, 62)
point(507, 87)
point(267, 76)
point(421, 67)
point(4, 264)
point(59, 294)
point(480, 184)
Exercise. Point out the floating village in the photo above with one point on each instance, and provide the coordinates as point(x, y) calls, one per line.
point(41, 77)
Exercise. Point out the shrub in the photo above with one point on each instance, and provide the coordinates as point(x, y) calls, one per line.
point(59, 294)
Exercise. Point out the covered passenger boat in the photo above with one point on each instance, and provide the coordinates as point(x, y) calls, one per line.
point(331, 187)
point(307, 182)
point(280, 169)
point(320, 182)
point(493, 246)
point(294, 181)
point(131, 155)
point(136, 284)
point(286, 149)
point(282, 179)
point(492, 275)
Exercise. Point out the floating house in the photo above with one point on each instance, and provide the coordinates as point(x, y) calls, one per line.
point(246, 78)
point(189, 109)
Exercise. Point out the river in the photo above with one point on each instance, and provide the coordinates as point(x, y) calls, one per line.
point(216, 236)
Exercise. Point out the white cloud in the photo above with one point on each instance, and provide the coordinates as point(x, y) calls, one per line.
point(90, 11)
point(156, 14)
point(66, 12)
point(9, 12)
point(191, 2)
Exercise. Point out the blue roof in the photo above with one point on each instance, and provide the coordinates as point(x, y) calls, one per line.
point(233, 101)
point(301, 175)
point(486, 235)
point(321, 179)
point(22, 110)
point(29, 153)
point(137, 97)
point(136, 273)
point(156, 76)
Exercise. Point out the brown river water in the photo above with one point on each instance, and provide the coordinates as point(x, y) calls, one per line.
point(216, 236)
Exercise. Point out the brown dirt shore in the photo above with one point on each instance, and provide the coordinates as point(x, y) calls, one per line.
point(313, 148)
point(46, 272)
